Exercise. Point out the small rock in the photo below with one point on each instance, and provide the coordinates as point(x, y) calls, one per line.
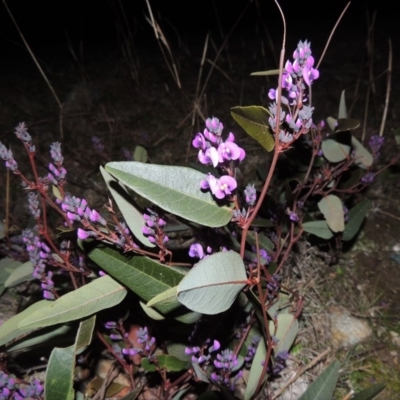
point(395, 338)
point(346, 330)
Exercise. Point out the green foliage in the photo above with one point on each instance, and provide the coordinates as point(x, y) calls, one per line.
point(254, 121)
point(213, 284)
point(323, 387)
point(98, 295)
point(61, 365)
point(144, 276)
point(174, 189)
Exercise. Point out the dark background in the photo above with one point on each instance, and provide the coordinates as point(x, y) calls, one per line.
point(49, 23)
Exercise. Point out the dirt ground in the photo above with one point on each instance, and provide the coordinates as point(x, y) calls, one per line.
point(127, 104)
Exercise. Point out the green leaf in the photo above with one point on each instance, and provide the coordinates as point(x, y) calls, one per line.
point(61, 365)
point(10, 329)
point(151, 312)
point(170, 363)
point(212, 285)
point(166, 297)
point(342, 106)
point(362, 157)
point(370, 393)
point(265, 73)
point(288, 328)
point(188, 317)
point(2, 230)
point(140, 154)
point(322, 388)
point(355, 218)
point(97, 295)
point(7, 266)
point(60, 374)
point(318, 228)
point(144, 276)
point(335, 151)
point(346, 124)
point(254, 121)
point(263, 241)
point(85, 333)
point(22, 273)
point(38, 337)
point(332, 209)
point(133, 217)
point(256, 370)
point(174, 189)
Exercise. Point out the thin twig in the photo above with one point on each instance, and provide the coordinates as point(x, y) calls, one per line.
point(332, 32)
point(388, 87)
point(60, 105)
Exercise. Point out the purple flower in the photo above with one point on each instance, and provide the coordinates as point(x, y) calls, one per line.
point(196, 250)
point(83, 235)
point(199, 142)
point(230, 151)
point(209, 156)
point(219, 187)
point(55, 153)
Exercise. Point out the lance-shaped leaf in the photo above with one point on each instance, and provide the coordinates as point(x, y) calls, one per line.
point(132, 216)
point(174, 189)
point(355, 218)
point(265, 73)
point(370, 393)
point(332, 209)
point(256, 370)
point(144, 276)
point(10, 329)
point(20, 274)
point(342, 106)
point(61, 365)
point(318, 228)
point(323, 387)
point(254, 121)
point(100, 294)
point(212, 285)
point(288, 328)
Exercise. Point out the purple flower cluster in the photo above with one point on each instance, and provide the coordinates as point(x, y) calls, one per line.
point(226, 363)
point(154, 228)
point(295, 79)
point(250, 195)
point(280, 362)
point(375, 144)
point(368, 178)
point(57, 172)
point(273, 286)
point(265, 257)
point(7, 156)
point(33, 204)
point(198, 356)
point(213, 150)
point(10, 390)
point(251, 350)
point(145, 340)
point(39, 255)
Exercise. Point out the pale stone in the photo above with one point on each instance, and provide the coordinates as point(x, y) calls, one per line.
point(346, 330)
